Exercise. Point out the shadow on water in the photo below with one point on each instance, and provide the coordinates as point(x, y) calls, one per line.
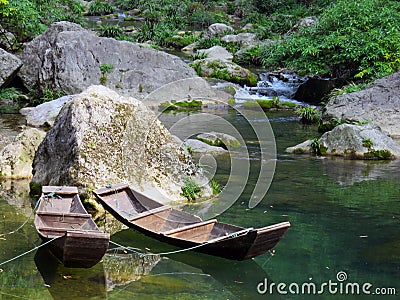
point(70, 283)
point(237, 279)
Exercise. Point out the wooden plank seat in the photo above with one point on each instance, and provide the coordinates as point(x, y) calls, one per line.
point(63, 214)
point(65, 190)
point(58, 229)
point(191, 226)
point(149, 212)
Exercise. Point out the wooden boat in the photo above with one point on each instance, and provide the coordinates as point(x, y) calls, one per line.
point(185, 230)
point(79, 243)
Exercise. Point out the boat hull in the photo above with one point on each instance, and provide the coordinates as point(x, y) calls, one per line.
point(72, 235)
point(248, 244)
point(78, 250)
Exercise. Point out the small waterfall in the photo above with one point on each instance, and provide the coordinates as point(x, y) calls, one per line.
point(272, 84)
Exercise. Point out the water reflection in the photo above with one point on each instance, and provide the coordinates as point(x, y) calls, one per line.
point(70, 283)
point(233, 279)
point(16, 194)
point(348, 172)
point(122, 267)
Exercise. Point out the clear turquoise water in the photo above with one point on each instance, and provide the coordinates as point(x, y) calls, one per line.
point(344, 215)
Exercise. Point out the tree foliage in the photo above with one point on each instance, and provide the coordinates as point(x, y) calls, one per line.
point(27, 18)
point(353, 39)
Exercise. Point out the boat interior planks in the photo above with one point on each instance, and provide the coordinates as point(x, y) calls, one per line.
point(185, 230)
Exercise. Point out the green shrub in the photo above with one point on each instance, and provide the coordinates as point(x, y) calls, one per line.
point(28, 18)
point(309, 115)
point(353, 39)
point(205, 43)
point(216, 187)
point(110, 30)
point(50, 95)
point(100, 7)
point(190, 189)
point(10, 100)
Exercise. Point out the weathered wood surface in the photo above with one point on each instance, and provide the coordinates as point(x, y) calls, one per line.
point(186, 230)
point(61, 215)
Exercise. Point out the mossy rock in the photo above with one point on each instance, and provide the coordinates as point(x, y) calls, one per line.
point(225, 70)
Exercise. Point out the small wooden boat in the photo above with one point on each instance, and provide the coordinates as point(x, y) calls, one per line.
point(78, 242)
point(185, 230)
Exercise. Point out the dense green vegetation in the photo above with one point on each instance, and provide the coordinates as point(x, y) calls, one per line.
point(28, 18)
point(355, 41)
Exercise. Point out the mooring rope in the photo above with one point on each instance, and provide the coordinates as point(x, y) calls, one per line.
point(26, 221)
point(234, 234)
point(49, 195)
point(29, 251)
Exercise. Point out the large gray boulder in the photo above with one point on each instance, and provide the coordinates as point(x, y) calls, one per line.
point(68, 58)
point(16, 158)
point(9, 67)
point(354, 141)
point(100, 137)
point(379, 103)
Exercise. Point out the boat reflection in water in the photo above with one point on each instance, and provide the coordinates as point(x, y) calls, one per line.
point(182, 273)
point(70, 283)
point(123, 274)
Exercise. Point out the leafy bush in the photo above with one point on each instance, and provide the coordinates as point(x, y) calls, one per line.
point(50, 95)
point(10, 99)
point(100, 7)
point(309, 115)
point(353, 39)
point(28, 18)
point(110, 30)
point(191, 190)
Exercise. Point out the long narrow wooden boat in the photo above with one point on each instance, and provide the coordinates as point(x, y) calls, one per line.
point(185, 230)
point(79, 243)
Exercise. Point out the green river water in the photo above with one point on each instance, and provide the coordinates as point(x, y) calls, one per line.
point(345, 223)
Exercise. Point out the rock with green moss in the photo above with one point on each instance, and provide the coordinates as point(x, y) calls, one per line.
point(352, 141)
point(224, 70)
point(16, 158)
point(219, 139)
point(101, 137)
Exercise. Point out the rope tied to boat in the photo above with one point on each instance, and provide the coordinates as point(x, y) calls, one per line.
point(29, 251)
point(51, 195)
point(141, 254)
point(26, 221)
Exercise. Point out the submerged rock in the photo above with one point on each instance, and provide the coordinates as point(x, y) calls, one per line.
point(16, 158)
point(352, 141)
point(68, 58)
point(101, 137)
point(379, 103)
point(219, 139)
